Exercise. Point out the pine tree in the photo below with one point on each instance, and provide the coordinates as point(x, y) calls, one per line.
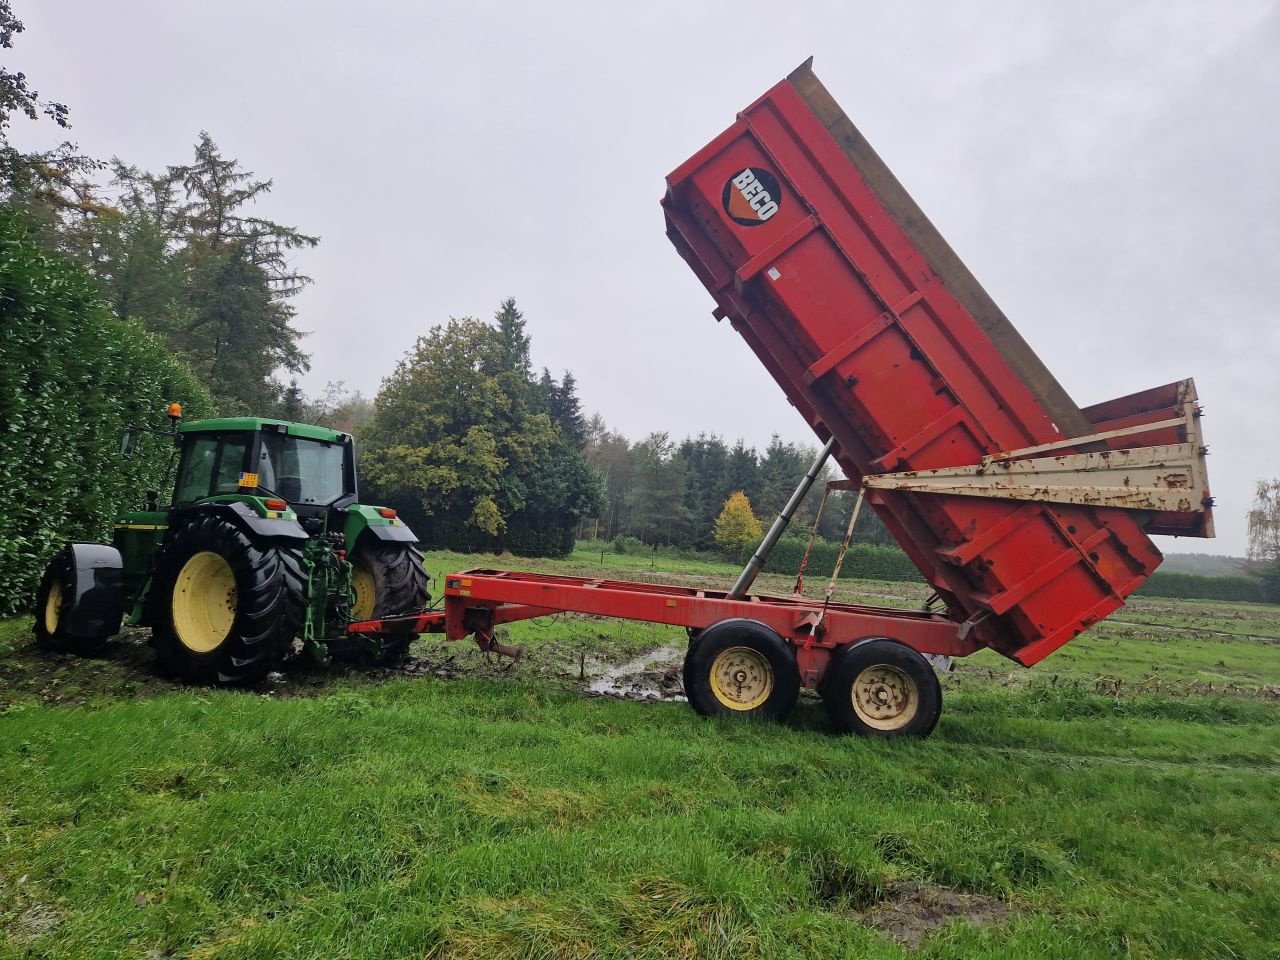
point(656, 497)
point(293, 403)
point(217, 188)
point(567, 412)
point(231, 320)
point(514, 340)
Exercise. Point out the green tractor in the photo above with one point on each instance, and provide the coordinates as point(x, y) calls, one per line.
point(264, 553)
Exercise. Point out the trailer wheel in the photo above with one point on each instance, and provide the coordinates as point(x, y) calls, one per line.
point(387, 579)
point(741, 667)
point(52, 603)
point(227, 605)
point(882, 688)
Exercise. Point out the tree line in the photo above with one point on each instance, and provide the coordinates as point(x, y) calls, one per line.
point(663, 492)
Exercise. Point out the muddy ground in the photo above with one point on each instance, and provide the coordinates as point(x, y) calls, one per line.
point(126, 669)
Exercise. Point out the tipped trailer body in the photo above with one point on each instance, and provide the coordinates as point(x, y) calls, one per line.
point(1029, 515)
point(882, 339)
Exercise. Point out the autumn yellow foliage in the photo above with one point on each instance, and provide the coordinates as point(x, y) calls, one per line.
point(737, 524)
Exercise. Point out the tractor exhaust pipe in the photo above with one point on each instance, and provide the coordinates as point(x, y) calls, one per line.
point(757, 561)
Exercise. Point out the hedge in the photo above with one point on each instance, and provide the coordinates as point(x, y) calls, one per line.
point(1191, 586)
point(74, 378)
point(864, 561)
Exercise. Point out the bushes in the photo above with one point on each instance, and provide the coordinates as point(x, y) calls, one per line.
point(74, 377)
point(1191, 586)
point(630, 546)
point(864, 561)
point(447, 533)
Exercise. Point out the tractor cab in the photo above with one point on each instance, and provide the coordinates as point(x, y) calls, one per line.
point(311, 468)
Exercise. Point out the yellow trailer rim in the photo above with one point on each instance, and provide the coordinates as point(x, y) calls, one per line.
point(204, 602)
point(885, 698)
point(741, 678)
point(53, 607)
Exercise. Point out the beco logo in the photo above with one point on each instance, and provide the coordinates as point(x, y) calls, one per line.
point(751, 197)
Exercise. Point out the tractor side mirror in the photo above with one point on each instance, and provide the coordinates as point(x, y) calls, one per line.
point(129, 443)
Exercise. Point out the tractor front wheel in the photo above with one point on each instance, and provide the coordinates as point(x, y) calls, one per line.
point(57, 588)
point(228, 605)
point(387, 578)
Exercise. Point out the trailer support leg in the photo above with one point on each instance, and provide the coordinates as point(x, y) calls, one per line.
point(488, 644)
point(757, 561)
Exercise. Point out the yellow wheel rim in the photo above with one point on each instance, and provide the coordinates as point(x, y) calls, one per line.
point(741, 678)
point(53, 607)
point(885, 698)
point(204, 602)
point(362, 585)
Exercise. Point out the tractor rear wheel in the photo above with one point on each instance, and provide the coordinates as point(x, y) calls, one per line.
point(57, 588)
point(882, 688)
point(227, 606)
point(387, 578)
point(741, 668)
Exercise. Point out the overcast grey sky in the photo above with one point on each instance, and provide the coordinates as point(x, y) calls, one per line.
point(1108, 171)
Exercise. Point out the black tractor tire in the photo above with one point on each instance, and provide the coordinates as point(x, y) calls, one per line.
point(881, 688)
point(52, 600)
point(741, 668)
point(389, 579)
point(226, 605)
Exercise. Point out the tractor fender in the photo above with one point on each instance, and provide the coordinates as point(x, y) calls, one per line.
point(244, 517)
point(388, 532)
point(96, 605)
point(365, 521)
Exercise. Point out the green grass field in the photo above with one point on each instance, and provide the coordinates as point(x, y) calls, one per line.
point(1120, 800)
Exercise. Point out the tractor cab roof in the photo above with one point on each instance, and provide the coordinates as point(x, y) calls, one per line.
point(254, 424)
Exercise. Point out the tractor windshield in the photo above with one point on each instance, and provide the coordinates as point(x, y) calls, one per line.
point(301, 470)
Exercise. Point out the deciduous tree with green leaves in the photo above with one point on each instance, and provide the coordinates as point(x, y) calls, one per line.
point(1264, 537)
point(46, 185)
point(463, 443)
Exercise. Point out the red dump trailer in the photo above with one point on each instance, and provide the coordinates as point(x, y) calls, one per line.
point(1028, 514)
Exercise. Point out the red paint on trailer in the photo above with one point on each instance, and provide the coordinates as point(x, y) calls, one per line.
point(478, 600)
point(844, 306)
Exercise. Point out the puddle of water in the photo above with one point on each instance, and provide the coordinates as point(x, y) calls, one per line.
point(647, 677)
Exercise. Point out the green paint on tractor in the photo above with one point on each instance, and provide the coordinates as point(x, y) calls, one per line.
point(263, 553)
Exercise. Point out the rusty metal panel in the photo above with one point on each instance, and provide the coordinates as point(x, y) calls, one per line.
point(1123, 467)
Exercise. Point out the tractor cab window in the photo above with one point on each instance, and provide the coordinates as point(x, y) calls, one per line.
point(300, 470)
point(197, 469)
point(211, 465)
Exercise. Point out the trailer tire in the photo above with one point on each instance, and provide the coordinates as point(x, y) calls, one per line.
point(881, 688)
point(51, 611)
point(388, 579)
point(227, 605)
point(741, 667)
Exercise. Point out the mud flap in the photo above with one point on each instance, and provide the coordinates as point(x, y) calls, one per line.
point(96, 604)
